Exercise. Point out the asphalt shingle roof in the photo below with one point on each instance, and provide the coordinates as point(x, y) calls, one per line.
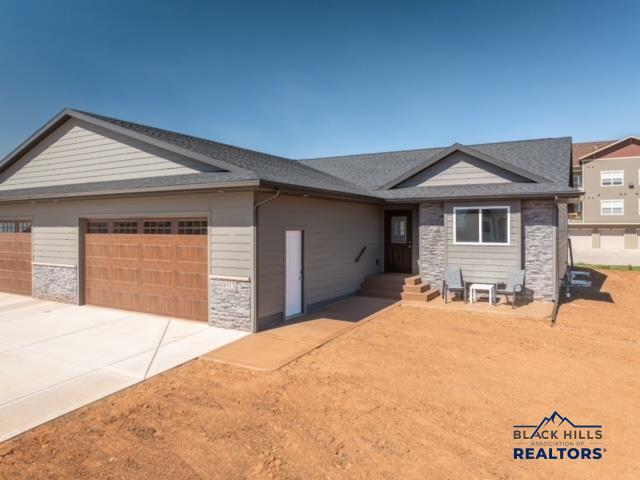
point(266, 167)
point(360, 175)
point(548, 157)
point(583, 148)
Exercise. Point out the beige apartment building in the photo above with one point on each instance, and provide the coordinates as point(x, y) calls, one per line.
point(608, 215)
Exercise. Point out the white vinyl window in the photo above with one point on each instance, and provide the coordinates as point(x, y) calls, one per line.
point(612, 178)
point(481, 225)
point(612, 207)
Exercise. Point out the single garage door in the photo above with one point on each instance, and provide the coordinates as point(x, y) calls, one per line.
point(611, 239)
point(15, 256)
point(581, 239)
point(155, 266)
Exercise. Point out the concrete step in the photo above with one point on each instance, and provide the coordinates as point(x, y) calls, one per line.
point(377, 285)
point(413, 280)
point(389, 278)
point(418, 288)
point(380, 293)
point(421, 297)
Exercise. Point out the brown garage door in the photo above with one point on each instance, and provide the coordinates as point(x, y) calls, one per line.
point(155, 266)
point(15, 256)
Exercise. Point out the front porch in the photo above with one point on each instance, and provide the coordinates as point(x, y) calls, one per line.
point(414, 292)
point(534, 309)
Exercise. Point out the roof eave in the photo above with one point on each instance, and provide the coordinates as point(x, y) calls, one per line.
point(483, 197)
point(136, 191)
point(322, 191)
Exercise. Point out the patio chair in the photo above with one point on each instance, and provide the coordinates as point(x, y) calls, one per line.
point(453, 282)
point(513, 287)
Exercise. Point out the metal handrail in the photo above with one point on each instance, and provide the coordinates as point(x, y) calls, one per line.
point(357, 259)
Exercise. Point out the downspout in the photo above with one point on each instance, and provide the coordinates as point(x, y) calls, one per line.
point(254, 297)
point(557, 282)
point(556, 246)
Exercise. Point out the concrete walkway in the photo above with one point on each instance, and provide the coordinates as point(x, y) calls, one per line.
point(274, 348)
point(55, 358)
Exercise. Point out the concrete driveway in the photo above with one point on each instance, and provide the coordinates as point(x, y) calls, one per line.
point(55, 358)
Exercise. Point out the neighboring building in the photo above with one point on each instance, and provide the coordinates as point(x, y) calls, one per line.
point(608, 217)
point(112, 213)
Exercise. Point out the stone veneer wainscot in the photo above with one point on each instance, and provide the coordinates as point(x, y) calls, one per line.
point(538, 223)
point(55, 282)
point(433, 243)
point(230, 303)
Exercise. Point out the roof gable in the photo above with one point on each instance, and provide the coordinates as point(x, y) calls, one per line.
point(459, 168)
point(68, 114)
point(627, 147)
point(471, 152)
point(79, 152)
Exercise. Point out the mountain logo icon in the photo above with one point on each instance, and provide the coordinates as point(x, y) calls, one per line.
point(555, 421)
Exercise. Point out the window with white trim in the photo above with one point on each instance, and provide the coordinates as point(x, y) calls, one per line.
point(612, 207)
point(481, 225)
point(612, 178)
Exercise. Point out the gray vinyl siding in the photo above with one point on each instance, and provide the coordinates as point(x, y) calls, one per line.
point(334, 233)
point(56, 234)
point(486, 263)
point(460, 169)
point(78, 153)
point(563, 237)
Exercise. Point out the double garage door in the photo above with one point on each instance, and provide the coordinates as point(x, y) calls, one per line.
point(15, 256)
point(155, 266)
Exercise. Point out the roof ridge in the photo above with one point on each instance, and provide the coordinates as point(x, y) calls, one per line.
point(97, 115)
point(596, 141)
point(471, 145)
point(227, 145)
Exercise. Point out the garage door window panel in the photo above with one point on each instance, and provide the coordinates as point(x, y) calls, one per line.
point(127, 228)
point(97, 227)
point(158, 227)
point(8, 227)
point(192, 227)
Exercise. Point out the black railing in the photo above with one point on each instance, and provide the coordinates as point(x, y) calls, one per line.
point(357, 259)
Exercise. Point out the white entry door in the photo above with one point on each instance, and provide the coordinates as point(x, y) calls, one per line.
point(293, 273)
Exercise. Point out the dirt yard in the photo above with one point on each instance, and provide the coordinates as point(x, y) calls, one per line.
point(411, 394)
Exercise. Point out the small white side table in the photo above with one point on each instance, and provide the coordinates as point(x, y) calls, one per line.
point(490, 288)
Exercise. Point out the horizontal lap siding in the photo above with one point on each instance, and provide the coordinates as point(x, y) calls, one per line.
point(334, 234)
point(56, 225)
point(460, 169)
point(231, 235)
point(486, 263)
point(78, 153)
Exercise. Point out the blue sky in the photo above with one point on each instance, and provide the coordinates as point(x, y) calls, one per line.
point(304, 79)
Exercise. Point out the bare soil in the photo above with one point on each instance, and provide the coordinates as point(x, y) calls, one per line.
point(414, 393)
